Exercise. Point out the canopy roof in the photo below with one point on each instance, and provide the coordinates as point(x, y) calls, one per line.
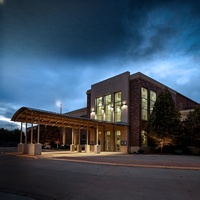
point(36, 116)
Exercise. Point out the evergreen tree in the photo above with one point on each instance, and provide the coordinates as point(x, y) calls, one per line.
point(164, 123)
point(192, 127)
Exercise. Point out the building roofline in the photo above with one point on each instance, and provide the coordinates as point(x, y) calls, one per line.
point(80, 109)
point(147, 78)
point(36, 116)
point(111, 78)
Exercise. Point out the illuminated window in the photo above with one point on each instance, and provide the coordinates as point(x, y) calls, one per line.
point(107, 141)
point(118, 106)
point(152, 100)
point(99, 108)
point(143, 138)
point(107, 102)
point(144, 103)
point(117, 140)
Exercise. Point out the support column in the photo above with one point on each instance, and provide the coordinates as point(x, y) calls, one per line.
point(87, 146)
point(97, 134)
point(26, 134)
point(38, 135)
point(21, 133)
point(25, 142)
point(31, 146)
point(79, 147)
point(38, 146)
point(64, 136)
point(97, 147)
point(72, 146)
point(21, 146)
point(103, 139)
point(32, 133)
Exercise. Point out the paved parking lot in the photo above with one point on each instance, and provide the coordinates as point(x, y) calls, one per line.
point(64, 175)
point(132, 160)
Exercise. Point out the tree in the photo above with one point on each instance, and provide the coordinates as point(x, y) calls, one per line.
point(164, 123)
point(10, 137)
point(192, 127)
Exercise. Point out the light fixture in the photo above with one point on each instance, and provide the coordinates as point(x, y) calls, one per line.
point(123, 104)
point(92, 112)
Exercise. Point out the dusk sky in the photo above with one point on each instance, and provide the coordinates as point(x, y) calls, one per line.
point(53, 50)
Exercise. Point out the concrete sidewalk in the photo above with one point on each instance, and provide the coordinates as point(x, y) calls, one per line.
point(119, 159)
point(134, 160)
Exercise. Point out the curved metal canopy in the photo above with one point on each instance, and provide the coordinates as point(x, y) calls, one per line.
point(36, 116)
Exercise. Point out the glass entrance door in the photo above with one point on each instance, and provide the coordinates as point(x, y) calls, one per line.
point(117, 140)
point(107, 141)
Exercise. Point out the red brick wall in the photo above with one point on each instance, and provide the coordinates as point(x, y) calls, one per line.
point(136, 125)
point(183, 103)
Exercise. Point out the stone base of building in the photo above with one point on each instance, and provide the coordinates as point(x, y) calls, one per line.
point(97, 148)
point(34, 149)
point(72, 147)
point(87, 148)
point(31, 149)
point(134, 149)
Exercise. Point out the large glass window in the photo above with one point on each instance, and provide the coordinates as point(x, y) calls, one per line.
point(99, 108)
point(118, 101)
point(152, 100)
point(144, 103)
point(107, 141)
point(107, 102)
point(143, 138)
point(117, 140)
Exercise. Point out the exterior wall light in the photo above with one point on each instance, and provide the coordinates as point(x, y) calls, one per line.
point(92, 111)
point(123, 104)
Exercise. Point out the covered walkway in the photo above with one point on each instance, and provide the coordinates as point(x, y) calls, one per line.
point(40, 117)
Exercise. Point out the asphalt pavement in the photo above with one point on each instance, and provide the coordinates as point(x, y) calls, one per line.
point(74, 176)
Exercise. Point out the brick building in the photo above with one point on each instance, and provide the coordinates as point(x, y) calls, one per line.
point(114, 119)
point(128, 99)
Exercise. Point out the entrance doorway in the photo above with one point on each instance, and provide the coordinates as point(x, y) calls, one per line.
point(117, 140)
point(107, 141)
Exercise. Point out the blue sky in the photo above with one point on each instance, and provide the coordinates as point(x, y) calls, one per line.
point(53, 51)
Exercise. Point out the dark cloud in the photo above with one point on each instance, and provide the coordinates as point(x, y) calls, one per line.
point(54, 50)
point(95, 29)
point(163, 25)
point(6, 109)
point(65, 28)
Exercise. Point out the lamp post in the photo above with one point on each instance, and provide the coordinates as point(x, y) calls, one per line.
point(61, 108)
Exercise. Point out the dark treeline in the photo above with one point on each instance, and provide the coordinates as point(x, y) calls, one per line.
point(10, 137)
point(48, 134)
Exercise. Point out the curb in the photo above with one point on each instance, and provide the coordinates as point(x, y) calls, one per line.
point(129, 165)
point(105, 163)
point(22, 155)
